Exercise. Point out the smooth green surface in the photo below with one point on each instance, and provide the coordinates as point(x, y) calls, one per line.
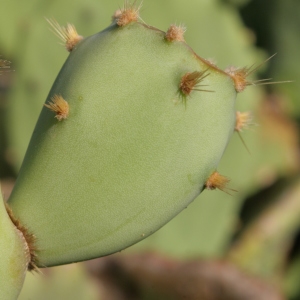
point(13, 257)
point(131, 155)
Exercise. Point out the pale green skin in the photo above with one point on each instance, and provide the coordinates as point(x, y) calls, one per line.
point(14, 257)
point(131, 154)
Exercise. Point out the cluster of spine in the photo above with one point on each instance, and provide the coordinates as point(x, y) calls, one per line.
point(29, 238)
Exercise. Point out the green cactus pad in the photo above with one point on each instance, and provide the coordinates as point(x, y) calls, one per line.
point(133, 150)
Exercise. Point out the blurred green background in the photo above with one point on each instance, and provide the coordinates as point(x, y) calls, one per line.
point(257, 228)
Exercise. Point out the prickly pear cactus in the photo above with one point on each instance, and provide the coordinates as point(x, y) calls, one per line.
point(132, 131)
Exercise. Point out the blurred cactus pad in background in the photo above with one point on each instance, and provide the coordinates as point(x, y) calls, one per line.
point(162, 119)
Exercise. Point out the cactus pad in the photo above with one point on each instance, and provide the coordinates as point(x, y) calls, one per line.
point(147, 123)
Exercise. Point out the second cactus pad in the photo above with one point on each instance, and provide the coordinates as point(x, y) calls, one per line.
point(133, 127)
